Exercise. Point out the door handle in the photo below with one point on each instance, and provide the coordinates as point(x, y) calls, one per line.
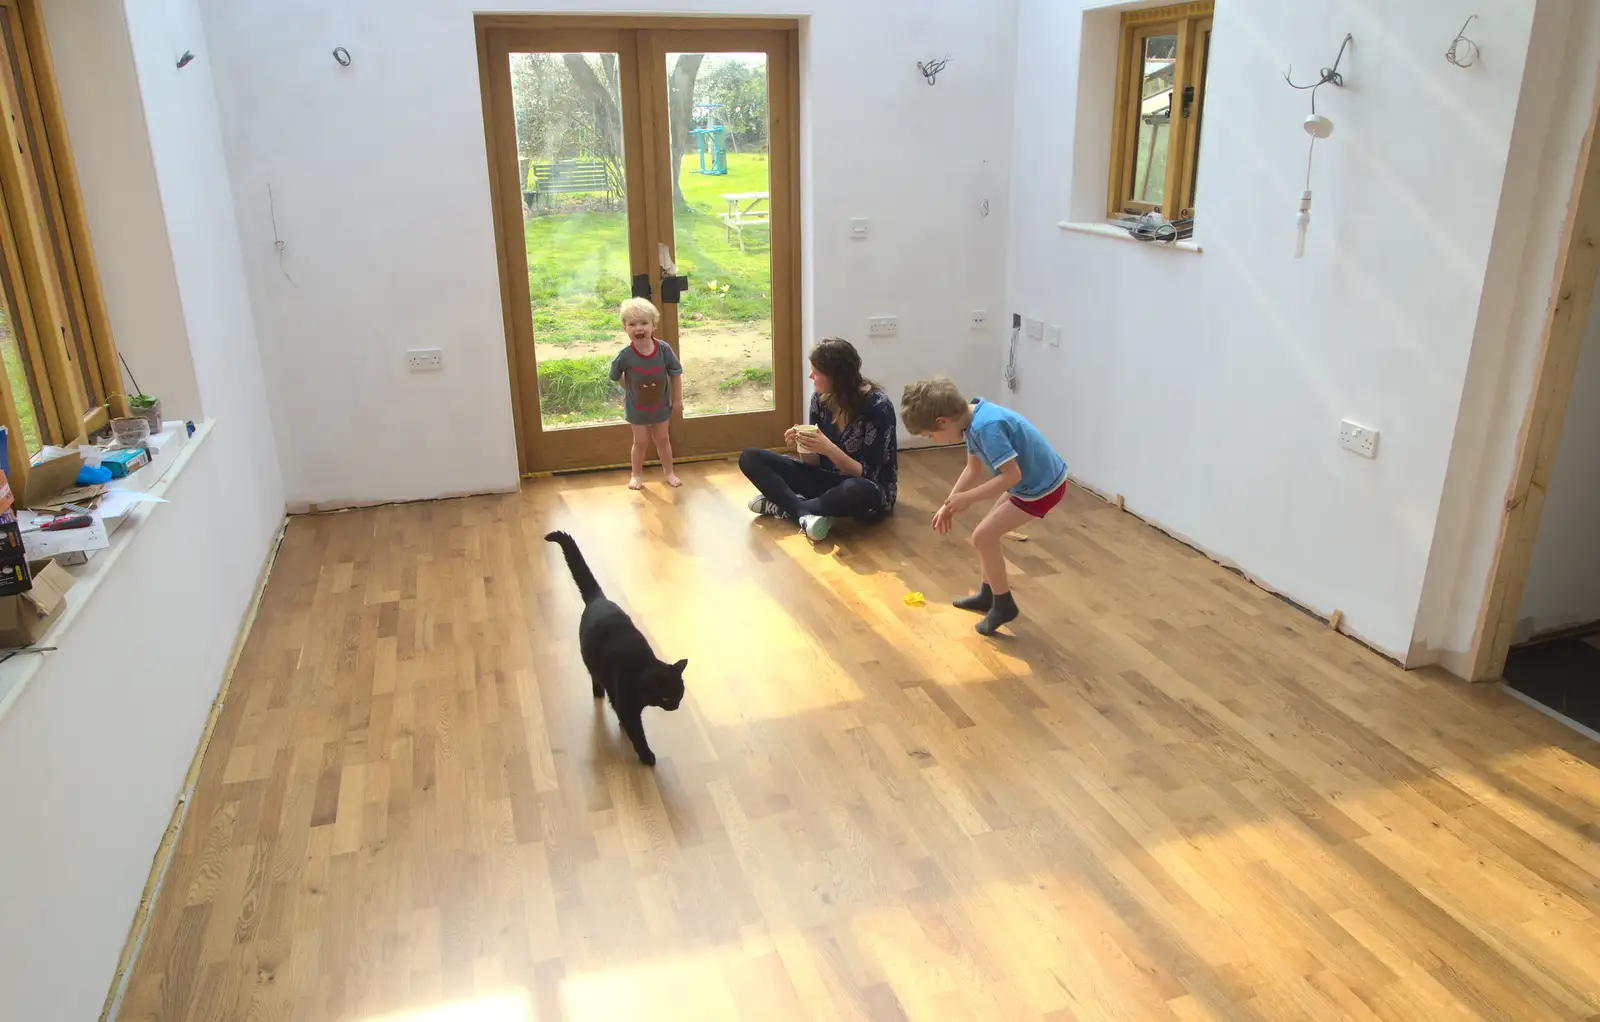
point(673, 287)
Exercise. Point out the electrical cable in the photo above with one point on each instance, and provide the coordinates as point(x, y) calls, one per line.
point(1011, 359)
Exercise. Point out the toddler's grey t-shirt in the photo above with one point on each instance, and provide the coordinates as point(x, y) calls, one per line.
point(646, 390)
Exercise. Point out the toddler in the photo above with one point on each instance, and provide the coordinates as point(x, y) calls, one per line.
point(652, 386)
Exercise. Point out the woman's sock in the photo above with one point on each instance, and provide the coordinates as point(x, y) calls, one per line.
point(979, 601)
point(1004, 609)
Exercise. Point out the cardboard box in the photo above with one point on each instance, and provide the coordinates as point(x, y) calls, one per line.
point(49, 478)
point(23, 619)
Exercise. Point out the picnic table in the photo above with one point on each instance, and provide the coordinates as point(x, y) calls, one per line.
point(745, 209)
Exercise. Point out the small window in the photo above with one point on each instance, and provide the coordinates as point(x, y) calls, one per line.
point(1160, 103)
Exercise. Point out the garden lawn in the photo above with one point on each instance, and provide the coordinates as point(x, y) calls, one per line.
point(578, 269)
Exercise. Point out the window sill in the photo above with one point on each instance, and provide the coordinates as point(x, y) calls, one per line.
point(1103, 229)
point(16, 673)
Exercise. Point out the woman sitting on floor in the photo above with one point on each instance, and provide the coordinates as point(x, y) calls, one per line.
point(848, 465)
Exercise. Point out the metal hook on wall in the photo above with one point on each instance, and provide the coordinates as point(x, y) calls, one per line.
point(1330, 75)
point(341, 55)
point(1463, 52)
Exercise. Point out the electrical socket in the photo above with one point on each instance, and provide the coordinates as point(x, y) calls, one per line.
point(859, 227)
point(979, 319)
point(1036, 329)
point(1055, 336)
point(1016, 321)
point(425, 360)
point(1358, 439)
point(883, 326)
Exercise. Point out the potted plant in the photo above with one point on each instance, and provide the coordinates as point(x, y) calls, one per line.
point(148, 408)
point(141, 407)
point(140, 404)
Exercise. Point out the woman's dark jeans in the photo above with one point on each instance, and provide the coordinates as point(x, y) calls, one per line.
point(799, 489)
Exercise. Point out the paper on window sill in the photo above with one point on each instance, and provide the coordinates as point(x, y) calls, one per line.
point(117, 503)
point(40, 546)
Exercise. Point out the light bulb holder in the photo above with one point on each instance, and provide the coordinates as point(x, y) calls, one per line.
point(1318, 126)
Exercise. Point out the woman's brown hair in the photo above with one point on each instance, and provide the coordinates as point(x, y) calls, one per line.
point(838, 360)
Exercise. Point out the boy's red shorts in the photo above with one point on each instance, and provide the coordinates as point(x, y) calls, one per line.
point(1041, 506)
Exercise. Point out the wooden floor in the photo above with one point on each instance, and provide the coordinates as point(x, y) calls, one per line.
point(1169, 796)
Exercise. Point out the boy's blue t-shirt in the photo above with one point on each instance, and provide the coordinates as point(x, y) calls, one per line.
point(998, 435)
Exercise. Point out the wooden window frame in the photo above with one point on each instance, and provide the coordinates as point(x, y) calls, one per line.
point(1189, 22)
point(57, 309)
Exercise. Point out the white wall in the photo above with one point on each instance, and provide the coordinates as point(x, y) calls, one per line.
point(94, 751)
point(1557, 101)
point(379, 178)
point(1208, 389)
point(1563, 586)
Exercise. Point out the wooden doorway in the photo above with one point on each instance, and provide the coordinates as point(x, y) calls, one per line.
point(620, 149)
point(1572, 292)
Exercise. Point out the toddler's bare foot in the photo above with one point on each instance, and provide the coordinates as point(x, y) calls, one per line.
point(635, 483)
point(673, 480)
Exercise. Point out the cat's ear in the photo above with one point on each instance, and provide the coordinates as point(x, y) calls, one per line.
point(679, 666)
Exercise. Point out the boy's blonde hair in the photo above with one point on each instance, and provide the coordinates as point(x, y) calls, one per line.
point(927, 401)
point(639, 308)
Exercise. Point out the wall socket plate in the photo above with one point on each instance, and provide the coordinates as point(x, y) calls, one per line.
point(1054, 335)
point(979, 319)
point(859, 227)
point(1358, 439)
point(425, 360)
point(1035, 328)
point(883, 326)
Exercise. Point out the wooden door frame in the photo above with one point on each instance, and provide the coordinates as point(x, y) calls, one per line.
point(492, 31)
point(1566, 316)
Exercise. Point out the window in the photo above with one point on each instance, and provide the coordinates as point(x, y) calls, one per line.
point(60, 382)
point(1160, 101)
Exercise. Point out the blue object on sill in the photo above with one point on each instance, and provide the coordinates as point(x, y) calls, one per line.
point(190, 425)
point(90, 476)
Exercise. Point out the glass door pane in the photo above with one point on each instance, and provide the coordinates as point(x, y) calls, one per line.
point(569, 134)
point(717, 108)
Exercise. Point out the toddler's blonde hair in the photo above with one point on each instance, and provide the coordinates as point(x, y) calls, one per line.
point(926, 401)
point(639, 308)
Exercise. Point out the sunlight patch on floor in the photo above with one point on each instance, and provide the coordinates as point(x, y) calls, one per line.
point(679, 987)
point(511, 1006)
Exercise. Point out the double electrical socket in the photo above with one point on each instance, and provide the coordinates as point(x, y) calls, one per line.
point(1358, 439)
point(425, 360)
point(883, 326)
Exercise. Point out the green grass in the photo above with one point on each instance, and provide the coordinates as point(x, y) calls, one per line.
point(20, 394)
point(761, 376)
point(578, 269)
point(578, 390)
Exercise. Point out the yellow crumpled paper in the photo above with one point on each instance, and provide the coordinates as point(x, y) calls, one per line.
point(913, 599)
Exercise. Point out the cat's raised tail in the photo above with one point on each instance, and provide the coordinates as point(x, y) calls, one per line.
point(587, 586)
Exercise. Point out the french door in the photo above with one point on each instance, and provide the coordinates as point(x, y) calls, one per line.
point(653, 158)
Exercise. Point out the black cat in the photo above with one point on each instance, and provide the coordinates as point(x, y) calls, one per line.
point(621, 664)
